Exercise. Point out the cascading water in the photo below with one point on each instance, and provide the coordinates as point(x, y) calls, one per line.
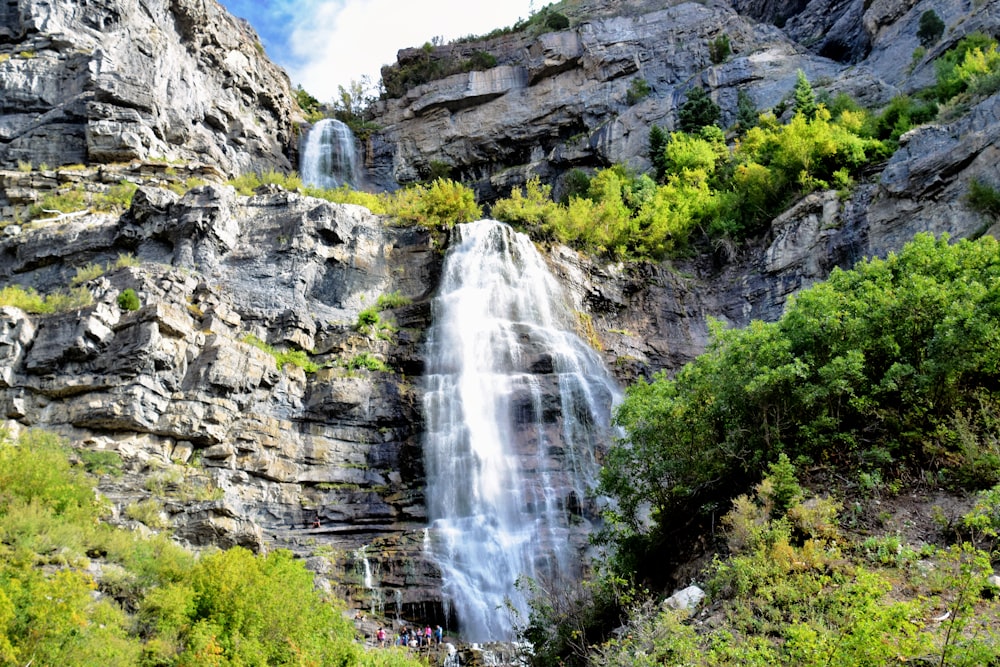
point(516, 406)
point(330, 156)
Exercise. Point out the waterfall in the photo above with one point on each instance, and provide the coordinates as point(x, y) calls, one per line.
point(330, 156)
point(516, 407)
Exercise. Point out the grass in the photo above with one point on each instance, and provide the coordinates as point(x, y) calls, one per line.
point(30, 301)
point(282, 358)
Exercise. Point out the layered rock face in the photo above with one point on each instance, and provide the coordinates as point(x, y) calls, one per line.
point(571, 98)
point(228, 448)
point(654, 317)
point(231, 448)
point(116, 80)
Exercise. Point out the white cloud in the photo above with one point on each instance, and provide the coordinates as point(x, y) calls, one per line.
point(338, 42)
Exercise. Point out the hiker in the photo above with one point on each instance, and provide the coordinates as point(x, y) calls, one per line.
point(427, 636)
point(380, 636)
point(438, 635)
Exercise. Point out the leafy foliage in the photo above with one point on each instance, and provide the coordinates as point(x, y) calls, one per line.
point(283, 358)
point(153, 603)
point(719, 49)
point(439, 205)
point(701, 184)
point(931, 28)
point(795, 591)
point(697, 111)
point(891, 364)
point(973, 65)
point(984, 199)
point(805, 98)
point(128, 300)
point(30, 301)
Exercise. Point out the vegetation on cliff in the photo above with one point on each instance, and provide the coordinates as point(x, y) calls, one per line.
point(824, 441)
point(77, 591)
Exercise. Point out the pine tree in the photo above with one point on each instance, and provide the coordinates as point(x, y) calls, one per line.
point(658, 139)
point(805, 98)
point(746, 111)
point(697, 111)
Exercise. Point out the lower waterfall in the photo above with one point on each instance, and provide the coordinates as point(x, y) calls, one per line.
point(517, 409)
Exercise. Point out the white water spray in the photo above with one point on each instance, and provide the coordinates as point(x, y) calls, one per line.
point(330, 156)
point(516, 405)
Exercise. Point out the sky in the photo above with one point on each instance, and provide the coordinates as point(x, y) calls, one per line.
point(323, 44)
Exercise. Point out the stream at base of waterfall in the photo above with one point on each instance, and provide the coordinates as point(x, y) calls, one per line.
point(517, 409)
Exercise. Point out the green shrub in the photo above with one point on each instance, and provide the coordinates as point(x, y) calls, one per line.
point(148, 512)
point(556, 21)
point(931, 28)
point(368, 319)
point(638, 90)
point(282, 358)
point(128, 300)
point(345, 195)
point(392, 300)
point(246, 184)
point(367, 361)
point(101, 462)
point(972, 59)
point(439, 205)
point(31, 301)
point(117, 199)
point(719, 49)
point(125, 259)
point(889, 365)
point(54, 203)
point(984, 199)
point(86, 273)
point(697, 111)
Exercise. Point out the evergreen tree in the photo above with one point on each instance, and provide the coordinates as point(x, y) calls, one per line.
point(746, 111)
point(697, 111)
point(931, 28)
point(658, 139)
point(805, 98)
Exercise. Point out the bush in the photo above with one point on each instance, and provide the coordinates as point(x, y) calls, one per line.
point(891, 364)
point(368, 361)
point(697, 111)
point(31, 301)
point(283, 358)
point(392, 300)
point(971, 59)
point(719, 49)
point(638, 90)
point(246, 184)
point(984, 199)
point(931, 28)
point(439, 205)
point(129, 300)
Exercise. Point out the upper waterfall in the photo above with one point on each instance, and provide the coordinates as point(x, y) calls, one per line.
point(330, 156)
point(516, 407)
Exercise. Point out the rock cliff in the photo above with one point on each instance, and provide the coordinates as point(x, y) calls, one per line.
point(116, 80)
point(586, 96)
point(228, 448)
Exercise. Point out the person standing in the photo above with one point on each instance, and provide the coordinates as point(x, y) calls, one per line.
point(438, 635)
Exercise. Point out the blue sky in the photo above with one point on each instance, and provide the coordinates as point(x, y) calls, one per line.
point(326, 43)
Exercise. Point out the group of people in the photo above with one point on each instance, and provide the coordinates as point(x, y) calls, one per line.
point(412, 637)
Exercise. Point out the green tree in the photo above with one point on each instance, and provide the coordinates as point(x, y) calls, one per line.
point(697, 111)
point(746, 111)
point(805, 98)
point(719, 49)
point(658, 138)
point(931, 28)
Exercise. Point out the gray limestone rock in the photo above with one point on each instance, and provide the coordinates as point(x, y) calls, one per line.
point(117, 80)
